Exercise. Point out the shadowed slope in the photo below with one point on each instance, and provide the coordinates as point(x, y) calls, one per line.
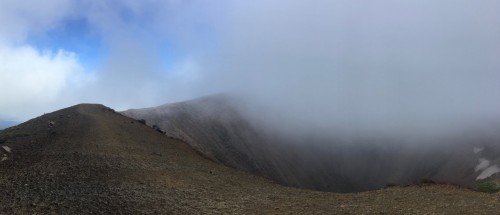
point(217, 127)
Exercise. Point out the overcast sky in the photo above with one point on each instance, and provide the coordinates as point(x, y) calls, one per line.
point(355, 63)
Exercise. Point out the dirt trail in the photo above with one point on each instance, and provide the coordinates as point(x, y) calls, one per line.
point(88, 159)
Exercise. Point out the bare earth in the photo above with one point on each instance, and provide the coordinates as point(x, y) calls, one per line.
point(88, 159)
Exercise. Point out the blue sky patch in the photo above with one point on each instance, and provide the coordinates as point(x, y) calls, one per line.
point(73, 35)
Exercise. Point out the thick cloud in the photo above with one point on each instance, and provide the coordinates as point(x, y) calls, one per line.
point(153, 50)
point(20, 18)
point(366, 64)
point(343, 64)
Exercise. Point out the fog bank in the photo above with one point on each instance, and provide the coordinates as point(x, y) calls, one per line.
point(349, 66)
point(412, 66)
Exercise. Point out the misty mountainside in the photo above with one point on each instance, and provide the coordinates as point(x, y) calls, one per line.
point(217, 127)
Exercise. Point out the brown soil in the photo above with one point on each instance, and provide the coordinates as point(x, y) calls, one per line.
point(89, 159)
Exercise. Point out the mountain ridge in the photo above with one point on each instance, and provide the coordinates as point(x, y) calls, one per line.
point(88, 159)
point(218, 128)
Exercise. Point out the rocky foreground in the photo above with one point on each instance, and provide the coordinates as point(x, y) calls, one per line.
point(89, 159)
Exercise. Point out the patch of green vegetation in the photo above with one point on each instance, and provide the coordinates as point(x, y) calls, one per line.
point(488, 187)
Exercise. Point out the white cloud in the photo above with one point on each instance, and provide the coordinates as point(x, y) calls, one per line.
point(32, 81)
point(20, 18)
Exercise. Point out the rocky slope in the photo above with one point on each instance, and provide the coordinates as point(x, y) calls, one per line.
point(217, 127)
point(87, 159)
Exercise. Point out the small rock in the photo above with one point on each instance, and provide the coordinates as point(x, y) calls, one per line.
point(157, 154)
point(7, 149)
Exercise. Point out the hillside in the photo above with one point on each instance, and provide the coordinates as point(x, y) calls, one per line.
point(89, 159)
point(217, 127)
